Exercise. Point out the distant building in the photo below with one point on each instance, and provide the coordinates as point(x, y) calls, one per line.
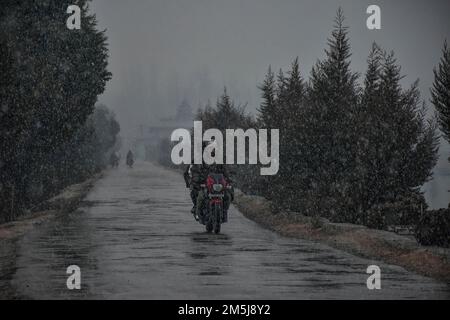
point(149, 137)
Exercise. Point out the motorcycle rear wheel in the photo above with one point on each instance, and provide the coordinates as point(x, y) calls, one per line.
point(217, 218)
point(209, 227)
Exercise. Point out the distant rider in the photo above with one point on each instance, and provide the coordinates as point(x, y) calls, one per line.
point(130, 159)
point(195, 175)
point(114, 160)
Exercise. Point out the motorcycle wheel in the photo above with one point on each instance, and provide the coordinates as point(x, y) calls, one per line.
point(209, 217)
point(209, 226)
point(217, 218)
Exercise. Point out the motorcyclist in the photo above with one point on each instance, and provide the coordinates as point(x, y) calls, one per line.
point(199, 173)
point(130, 158)
point(194, 177)
point(193, 187)
point(114, 159)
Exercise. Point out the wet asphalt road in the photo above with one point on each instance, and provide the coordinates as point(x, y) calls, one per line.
point(134, 238)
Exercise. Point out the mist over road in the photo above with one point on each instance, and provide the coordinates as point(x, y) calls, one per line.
point(134, 237)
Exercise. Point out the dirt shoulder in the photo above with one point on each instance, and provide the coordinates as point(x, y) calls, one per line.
point(67, 201)
point(386, 246)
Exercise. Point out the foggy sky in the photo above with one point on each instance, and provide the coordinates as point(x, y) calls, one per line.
point(162, 51)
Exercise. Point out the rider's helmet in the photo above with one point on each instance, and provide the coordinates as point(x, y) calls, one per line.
point(212, 143)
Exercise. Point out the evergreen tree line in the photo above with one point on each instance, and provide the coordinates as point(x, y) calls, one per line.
point(353, 148)
point(50, 78)
point(228, 115)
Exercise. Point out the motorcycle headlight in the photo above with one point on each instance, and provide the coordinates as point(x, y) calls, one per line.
point(217, 187)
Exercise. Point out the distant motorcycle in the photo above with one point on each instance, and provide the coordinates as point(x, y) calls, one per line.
point(213, 213)
point(130, 162)
point(130, 159)
point(114, 161)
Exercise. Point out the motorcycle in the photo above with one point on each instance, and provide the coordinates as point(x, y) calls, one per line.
point(114, 161)
point(213, 213)
point(130, 162)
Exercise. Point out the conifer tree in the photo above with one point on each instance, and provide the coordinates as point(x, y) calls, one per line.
point(52, 81)
point(440, 92)
point(267, 112)
point(397, 146)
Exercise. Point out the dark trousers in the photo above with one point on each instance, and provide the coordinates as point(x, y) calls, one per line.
point(194, 196)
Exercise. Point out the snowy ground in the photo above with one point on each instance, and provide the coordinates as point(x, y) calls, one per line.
point(134, 237)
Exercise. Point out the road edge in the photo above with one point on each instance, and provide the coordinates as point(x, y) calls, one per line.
point(388, 247)
point(65, 202)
